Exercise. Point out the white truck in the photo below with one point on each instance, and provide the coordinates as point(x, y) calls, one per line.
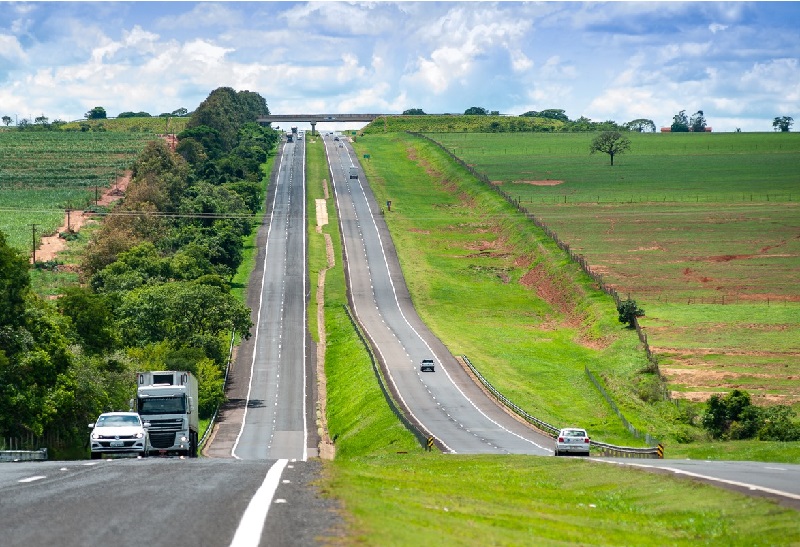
point(167, 404)
point(353, 172)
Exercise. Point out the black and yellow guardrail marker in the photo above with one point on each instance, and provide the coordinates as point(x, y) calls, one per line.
point(660, 451)
point(429, 444)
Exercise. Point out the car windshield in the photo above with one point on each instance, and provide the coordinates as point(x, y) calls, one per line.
point(574, 433)
point(118, 421)
point(162, 405)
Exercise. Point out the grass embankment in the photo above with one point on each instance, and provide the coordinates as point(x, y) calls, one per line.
point(702, 230)
point(419, 497)
point(495, 288)
point(459, 123)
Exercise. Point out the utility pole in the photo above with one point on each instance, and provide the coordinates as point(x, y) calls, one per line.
point(69, 210)
point(33, 246)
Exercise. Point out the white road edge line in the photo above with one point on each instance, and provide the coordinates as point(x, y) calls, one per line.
point(34, 478)
point(441, 362)
point(707, 477)
point(252, 524)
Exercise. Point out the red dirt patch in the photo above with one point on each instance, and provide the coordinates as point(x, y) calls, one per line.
point(540, 182)
point(75, 220)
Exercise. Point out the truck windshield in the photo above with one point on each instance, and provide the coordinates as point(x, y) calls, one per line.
point(162, 405)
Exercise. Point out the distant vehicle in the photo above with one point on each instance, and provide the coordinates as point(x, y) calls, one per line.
point(336, 138)
point(427, 366)
point(353, 172)
point(572, 440)
point(117, 433)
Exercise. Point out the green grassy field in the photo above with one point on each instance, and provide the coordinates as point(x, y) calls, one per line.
point(702, 230)
point(393, 493)
point(44, 172)
point(152, 125)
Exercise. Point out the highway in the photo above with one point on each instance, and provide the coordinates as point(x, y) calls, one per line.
point(445, 404)
point(257, 484)
point(159, 501)
point(269, 412)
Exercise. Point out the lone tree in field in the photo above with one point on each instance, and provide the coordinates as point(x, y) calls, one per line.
point(780, 123)
point(611, 143)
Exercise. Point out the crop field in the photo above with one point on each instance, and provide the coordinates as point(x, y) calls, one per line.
point(44, 172)
point(703, 231)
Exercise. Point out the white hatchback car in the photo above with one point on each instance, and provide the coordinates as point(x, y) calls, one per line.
point(117, 433)
point(572, 440)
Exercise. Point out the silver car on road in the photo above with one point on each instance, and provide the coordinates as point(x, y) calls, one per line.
point(572, 440)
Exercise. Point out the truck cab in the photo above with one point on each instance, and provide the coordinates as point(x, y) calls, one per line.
point(167, 404)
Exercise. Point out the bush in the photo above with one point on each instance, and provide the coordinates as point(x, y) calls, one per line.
point(628, 312)
point(735, 417)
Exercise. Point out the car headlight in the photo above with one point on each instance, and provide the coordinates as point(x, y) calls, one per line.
point(95, 436)
point(139, 435)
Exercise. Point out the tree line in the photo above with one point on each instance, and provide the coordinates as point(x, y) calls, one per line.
point(156, 279)
point(681, 122)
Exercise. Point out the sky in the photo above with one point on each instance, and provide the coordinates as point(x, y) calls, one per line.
point(738, 62)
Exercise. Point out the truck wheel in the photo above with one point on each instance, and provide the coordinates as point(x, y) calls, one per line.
point(96, 455)
point(193, 445)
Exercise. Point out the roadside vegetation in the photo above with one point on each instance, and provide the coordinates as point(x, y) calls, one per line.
point(154, 282)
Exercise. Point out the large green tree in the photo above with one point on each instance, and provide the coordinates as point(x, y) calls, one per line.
point(184, 312)
point(680, 123)
point(641, 125)
point(15, 283)
point(612, 143)
point(782, 123)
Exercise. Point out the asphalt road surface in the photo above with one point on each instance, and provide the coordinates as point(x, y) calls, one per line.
point(268, 413)
point(161, 501)
point(445, 404)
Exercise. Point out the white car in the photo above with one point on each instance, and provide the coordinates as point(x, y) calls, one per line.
point(117, 433)
point(572, 440)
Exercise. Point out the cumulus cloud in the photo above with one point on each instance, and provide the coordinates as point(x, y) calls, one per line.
point(617, 60)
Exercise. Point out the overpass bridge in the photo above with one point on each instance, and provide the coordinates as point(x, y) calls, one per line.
point(314, 119)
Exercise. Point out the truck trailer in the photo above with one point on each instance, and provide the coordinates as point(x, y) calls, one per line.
point(167, 404)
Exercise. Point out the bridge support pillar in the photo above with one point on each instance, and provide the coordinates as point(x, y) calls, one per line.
point(313, 128)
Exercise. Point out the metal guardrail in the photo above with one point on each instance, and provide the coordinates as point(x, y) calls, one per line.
point(425, 438)
point(606, 449)
point(539, 424)
point(210, 427)
point(23, 455)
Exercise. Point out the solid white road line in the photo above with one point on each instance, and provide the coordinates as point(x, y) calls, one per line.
point(677, 471)
point(252, 524)
point(35, 478)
